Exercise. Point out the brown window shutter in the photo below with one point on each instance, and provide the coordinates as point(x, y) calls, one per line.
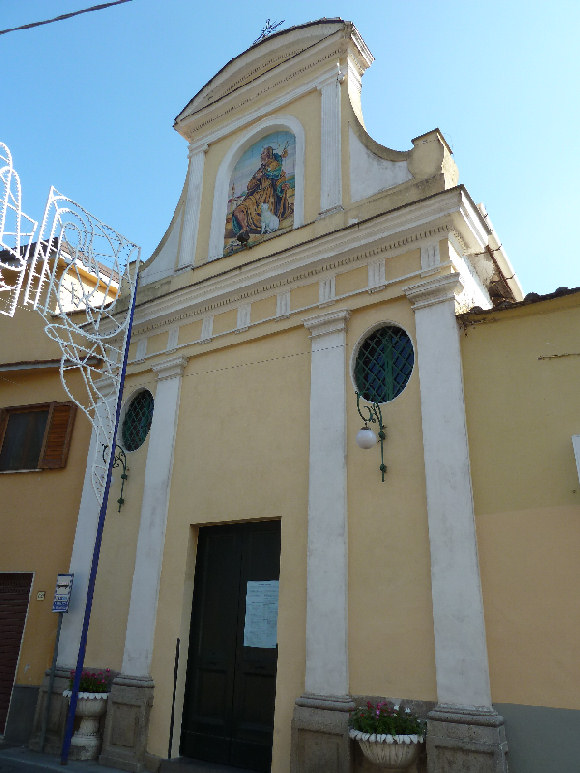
point(58, 434)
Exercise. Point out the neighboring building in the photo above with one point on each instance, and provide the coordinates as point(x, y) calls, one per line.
point(43, 455)
point(43, 450)
point(261, 577)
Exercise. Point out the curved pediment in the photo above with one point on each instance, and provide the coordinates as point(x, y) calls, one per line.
point(263, 57)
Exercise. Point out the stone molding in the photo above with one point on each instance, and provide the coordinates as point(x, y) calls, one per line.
point(172, 367)
point(128, 680)
point(329, 322)
point(358, 243)
point(437, 290)
point(326, 702)
point(337, 46)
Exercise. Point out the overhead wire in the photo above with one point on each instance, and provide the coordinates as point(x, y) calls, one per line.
point(64, 16)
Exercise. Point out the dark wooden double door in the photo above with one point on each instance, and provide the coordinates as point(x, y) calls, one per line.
point(228, 714)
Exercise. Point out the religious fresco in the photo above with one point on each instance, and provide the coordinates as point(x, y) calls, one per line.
point(261, 192)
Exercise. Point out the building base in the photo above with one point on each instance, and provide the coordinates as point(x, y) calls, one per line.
point(20, 720)
point(320, 742)
point(127, 723)
point(58, 710)
point(463, 738)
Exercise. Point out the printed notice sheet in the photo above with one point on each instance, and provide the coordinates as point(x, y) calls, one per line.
point(261, 623)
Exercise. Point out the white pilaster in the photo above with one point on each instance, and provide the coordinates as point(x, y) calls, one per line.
point(243, 317)
point(206, 329)
point(283, 304)
point(151, 539)
point(192, 206)
point(330, 147)
point(460, 647)
point(327, 569)
point(376, 275)
point(430, 257)
point(327, 291)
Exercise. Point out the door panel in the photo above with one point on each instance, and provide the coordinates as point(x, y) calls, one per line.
point(230, 688)
point(14, 593)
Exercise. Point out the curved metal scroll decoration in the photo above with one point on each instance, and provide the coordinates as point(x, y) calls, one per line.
point(16, 232)
point(82, 280)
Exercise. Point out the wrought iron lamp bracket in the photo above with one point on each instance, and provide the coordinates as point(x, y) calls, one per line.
point(119, 460)
point(372, 414)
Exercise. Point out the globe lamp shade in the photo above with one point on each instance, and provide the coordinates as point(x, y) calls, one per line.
point(366, 438)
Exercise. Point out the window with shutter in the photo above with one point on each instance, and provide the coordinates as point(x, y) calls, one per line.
point(34, 437)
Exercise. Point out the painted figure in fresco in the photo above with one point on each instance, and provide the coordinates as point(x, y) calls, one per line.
point(265, 202)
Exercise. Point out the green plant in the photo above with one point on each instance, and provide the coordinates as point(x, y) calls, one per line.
point(93, 681)
point(387, 719)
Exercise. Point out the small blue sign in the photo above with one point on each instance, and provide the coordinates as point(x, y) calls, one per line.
point(64, 583)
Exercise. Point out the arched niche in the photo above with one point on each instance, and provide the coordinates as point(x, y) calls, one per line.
point(252, 137)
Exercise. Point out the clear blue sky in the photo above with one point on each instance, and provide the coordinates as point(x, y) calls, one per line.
point(88, 104)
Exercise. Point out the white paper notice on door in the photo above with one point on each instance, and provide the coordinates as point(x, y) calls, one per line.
point(261, 625)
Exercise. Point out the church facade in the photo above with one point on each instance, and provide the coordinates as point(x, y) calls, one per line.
point(265, 574)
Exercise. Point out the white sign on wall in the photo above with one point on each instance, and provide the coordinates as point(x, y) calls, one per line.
point(62, 593)
point(261, 624)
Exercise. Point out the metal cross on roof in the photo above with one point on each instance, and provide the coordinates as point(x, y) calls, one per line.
point(268, 29)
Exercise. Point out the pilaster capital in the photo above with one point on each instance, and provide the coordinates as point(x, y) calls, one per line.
point(197, 147)
point(172, 367)
point(107, 385)
point(336, 76)
point(330, 322)
point(437, 290)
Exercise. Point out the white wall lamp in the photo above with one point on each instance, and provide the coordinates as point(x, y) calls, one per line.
point(366, 437)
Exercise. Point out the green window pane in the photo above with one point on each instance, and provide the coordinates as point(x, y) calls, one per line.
point(384, 364)
point(137, 421)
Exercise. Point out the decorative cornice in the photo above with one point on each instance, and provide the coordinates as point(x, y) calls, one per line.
point(437, 290)
point(172, 367)
point(329, 322)
point(431, 218)
point(197, 311)
point(250, 94)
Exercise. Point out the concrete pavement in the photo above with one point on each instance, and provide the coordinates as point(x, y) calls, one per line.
point(19, 759)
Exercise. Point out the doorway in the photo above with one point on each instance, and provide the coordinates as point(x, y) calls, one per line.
point(228, 713)
point(14, 593)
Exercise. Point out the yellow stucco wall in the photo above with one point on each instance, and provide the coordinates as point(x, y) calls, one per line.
point(39, 508)
point(244, 410)
point(391, 645)
point(112, 595)
point(521, 371)
point(222, 441)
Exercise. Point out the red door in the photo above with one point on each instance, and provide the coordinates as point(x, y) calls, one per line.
point(14, 594)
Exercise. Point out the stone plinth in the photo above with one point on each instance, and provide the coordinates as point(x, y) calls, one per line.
point(461, 739)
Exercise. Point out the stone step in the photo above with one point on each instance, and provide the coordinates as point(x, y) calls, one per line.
point(187, 765)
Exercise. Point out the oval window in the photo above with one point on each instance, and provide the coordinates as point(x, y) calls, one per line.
point(384, 364)
point(137, 420)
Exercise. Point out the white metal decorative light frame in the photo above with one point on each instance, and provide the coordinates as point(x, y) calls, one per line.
point(79, 261)
point(16, 232)
point(81, 276)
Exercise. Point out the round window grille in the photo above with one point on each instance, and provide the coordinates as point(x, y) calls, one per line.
point(137, 420)
point(384, 364)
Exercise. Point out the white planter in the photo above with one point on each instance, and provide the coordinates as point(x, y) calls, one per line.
point(391, 752)
point(91, 706)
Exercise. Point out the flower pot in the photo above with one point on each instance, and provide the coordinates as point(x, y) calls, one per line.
point(91, 706)
point(391, 752)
